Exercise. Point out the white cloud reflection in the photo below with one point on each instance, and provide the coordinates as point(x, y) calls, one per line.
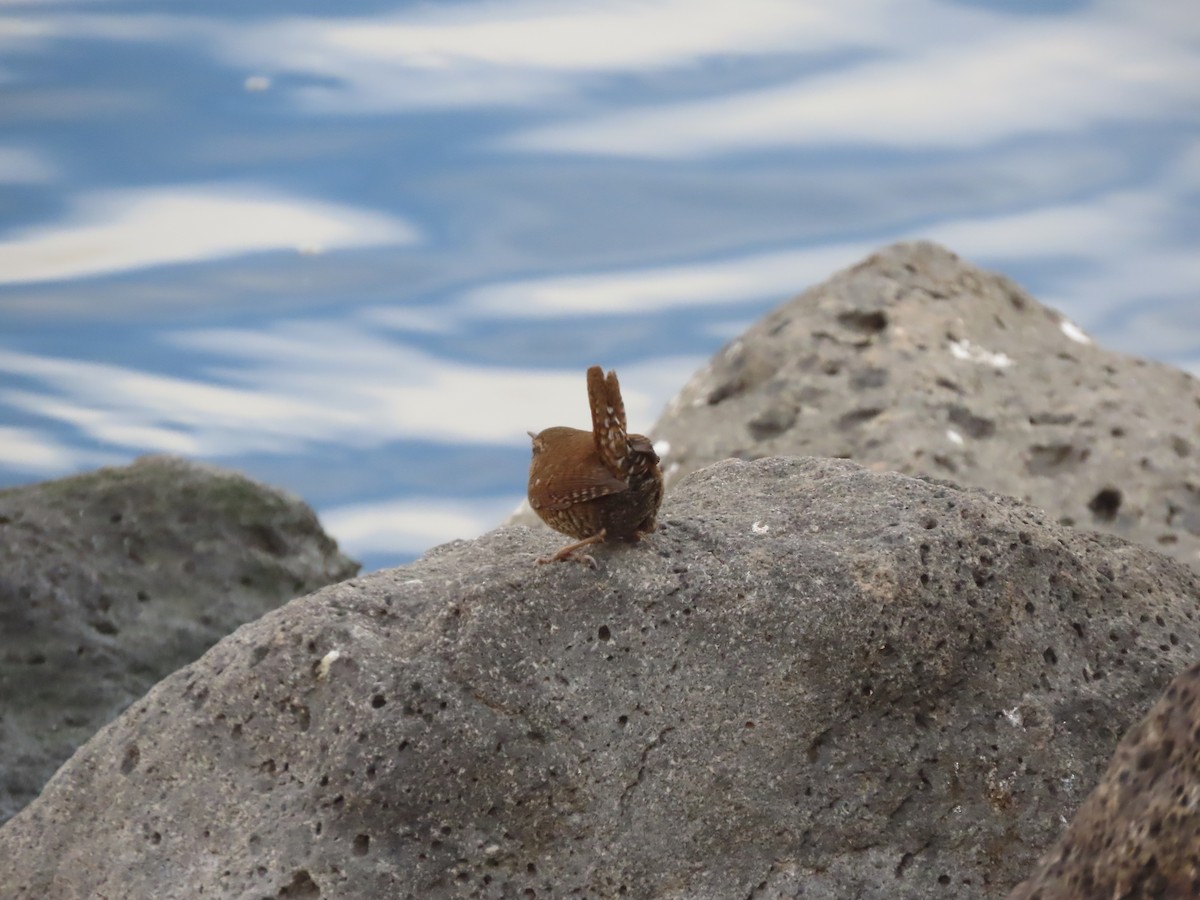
point(656, 288)
point(518, 52)
point(145, 411)
point(591, 36)
point(27, 450)
point(945, 87)
point(311, 383)
point(118, 231)
point(413, 524)
point(20, 165)
point(15, 30)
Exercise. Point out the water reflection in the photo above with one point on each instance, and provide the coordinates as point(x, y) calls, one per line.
point(359, 251)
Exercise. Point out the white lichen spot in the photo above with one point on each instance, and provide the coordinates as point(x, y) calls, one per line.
point(968, 352)
point(326, 661)
point(491, 849)
point(1014, 717)
point(1074, 332)
point(954, 437)
point(760, 528)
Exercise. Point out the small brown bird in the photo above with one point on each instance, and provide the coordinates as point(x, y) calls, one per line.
point(603, 484)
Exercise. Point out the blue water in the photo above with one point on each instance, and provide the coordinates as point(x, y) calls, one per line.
point(359, 249)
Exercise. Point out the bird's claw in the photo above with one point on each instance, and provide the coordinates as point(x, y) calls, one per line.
point(584, 558)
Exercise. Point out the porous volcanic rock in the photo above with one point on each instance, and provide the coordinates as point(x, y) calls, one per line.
point(812, 678)
point(1138, 834)
point(916, 361)
point(111, 580)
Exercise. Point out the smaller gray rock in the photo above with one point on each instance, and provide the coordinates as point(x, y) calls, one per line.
point(111, 580)
point(1138, 834)
point(918, 362)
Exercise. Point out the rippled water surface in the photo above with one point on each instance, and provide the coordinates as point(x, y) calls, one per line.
point(358, 249)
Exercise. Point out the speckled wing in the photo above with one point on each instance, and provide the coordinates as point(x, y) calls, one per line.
point(608, 420)
point(562, 490)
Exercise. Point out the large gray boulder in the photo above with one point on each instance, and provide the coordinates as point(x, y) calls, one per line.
point(813, 678)
point(109, 581)
point(916, 361)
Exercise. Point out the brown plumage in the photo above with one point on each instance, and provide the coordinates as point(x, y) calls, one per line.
point(603, 484)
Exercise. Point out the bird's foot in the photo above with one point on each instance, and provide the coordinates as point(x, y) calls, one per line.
point(571, 552)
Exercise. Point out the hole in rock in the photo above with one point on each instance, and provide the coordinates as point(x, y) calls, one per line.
point(1105, 504)
point(301, 886)
point(130, 760)
point(862, 321)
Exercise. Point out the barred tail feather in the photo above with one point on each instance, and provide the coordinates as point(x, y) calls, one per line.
point(608, 420)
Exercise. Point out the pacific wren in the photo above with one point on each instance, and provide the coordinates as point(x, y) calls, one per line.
point(598, 485)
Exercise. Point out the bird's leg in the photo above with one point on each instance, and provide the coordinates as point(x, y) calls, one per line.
point(568, 552)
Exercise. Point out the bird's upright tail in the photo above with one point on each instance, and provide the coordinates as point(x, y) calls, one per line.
point(608, 420)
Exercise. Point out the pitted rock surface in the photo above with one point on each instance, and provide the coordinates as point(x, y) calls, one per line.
point(813, 678)
point(1138, 834)
point(917, 362)
point(109, 581)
